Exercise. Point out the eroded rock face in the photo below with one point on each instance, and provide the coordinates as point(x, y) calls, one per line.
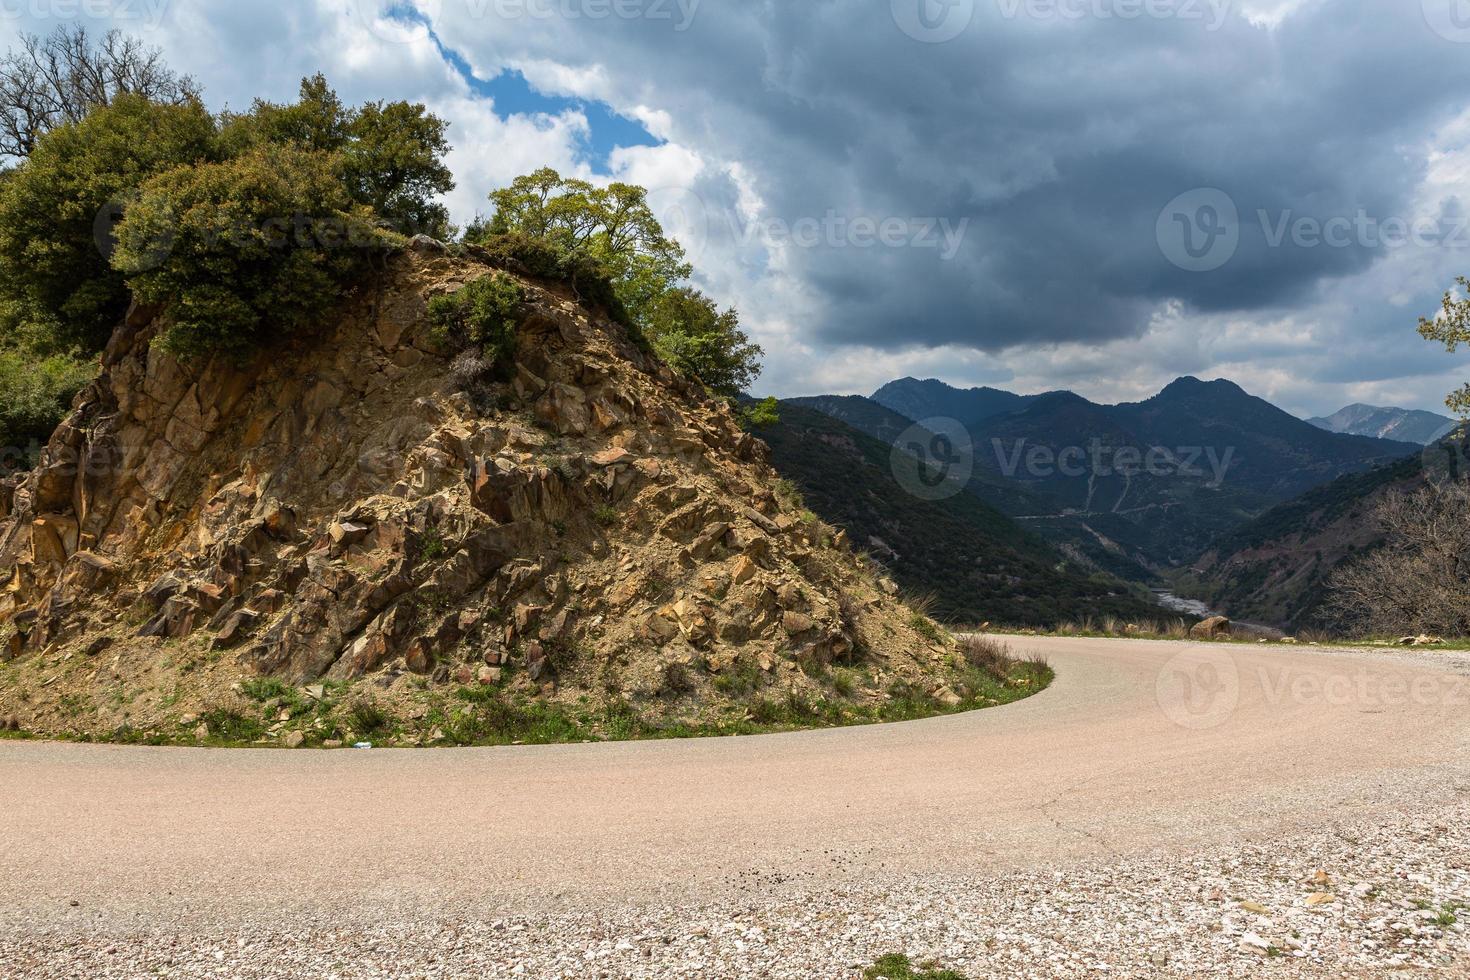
point(337, 510)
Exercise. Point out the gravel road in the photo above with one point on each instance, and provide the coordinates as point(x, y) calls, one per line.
point(1163, 809)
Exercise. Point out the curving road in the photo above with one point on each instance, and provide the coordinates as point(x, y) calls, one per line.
point(1138, 747)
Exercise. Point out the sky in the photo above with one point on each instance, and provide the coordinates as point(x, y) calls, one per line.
point(1099, 195)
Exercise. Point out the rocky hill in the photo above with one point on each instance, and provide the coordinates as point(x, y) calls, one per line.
point(347, 538)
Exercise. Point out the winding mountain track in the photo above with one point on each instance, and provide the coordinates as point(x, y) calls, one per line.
point(1139, 748)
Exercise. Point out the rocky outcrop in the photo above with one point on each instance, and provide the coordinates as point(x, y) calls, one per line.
point(337, 511)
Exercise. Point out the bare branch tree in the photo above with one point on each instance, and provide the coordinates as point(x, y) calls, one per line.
point(59, 79)
point(1418, 580)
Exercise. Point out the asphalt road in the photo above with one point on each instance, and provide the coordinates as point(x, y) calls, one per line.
point(1138, 747)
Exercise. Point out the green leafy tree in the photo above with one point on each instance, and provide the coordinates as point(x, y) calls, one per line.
point(1452, 328)
point(57, 207)
point(614, 228)
point(392, 151)
point(761, 415)
point(692, 335)
point(317, 120)
point(395, 166)
point(259, 247)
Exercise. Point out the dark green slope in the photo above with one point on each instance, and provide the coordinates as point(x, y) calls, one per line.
point(1276, 568)
point(979, 564)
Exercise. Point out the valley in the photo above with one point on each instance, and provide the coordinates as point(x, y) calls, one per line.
point(1149, 493)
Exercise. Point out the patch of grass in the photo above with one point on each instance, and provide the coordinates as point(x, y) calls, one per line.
point(606, 515)
point(368, 718)
point(790, 495)
point(265, 688)
point(487, 718)
point(432, 546)
point(677, 680)
point(984, 653)
point(897, 966)
point(741, 679)
point(232, 727)
point(926, 628)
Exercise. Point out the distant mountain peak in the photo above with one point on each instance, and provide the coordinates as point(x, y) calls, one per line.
point(1190, 385)
point(1402, 424)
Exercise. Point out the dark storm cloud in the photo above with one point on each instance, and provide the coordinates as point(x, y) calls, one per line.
point(1059, 141)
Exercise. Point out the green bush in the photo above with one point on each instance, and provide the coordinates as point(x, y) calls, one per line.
point(482, 315)
point(35, 395)
point(247, 251)
point(760, 415)
point(56, 210)
point(542, 258)
point(693, 336)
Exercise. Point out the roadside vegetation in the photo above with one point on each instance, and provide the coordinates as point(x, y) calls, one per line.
point(265, 712)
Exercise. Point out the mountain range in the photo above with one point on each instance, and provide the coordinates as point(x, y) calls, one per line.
point(1405, 425)
point(975, 562)
point(1137, 488)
